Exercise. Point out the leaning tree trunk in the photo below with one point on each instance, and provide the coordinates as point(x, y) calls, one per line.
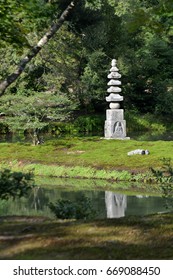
point(36, 49)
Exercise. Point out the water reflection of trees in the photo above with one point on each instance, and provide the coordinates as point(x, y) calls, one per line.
point(34, 204)
point(38, 198)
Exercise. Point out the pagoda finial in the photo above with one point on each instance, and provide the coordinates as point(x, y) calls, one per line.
point(114, 62)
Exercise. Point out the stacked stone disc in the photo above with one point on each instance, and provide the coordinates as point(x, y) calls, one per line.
point(114, 98)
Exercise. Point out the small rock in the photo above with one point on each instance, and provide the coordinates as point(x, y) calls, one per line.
point(138, 152)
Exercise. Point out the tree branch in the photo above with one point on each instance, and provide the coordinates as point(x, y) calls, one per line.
point(36, 49)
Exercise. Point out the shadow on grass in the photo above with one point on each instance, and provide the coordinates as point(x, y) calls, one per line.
point(104, 251)
point(148, 237)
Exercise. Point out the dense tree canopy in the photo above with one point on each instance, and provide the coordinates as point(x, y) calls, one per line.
point(74, 64)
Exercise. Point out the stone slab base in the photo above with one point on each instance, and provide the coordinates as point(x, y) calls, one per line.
point(125, 138)
point(115, 125)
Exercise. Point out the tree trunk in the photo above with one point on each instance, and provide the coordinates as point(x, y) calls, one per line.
point(36, 49)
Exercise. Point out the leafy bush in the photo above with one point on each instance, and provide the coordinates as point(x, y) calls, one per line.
point(66, 209)
point(15, 184)
point(164, 176)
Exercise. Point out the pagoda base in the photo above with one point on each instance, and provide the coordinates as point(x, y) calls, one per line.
point(115, 125)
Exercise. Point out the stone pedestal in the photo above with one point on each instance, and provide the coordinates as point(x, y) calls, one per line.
point(115, 125)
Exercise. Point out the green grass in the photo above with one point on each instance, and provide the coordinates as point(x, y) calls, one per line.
point(87, 158)
point(32, 238)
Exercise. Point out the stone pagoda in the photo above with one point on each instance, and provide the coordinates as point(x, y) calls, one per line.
point(115, 125)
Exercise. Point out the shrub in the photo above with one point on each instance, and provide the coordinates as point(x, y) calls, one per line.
point(164, 176)
point(66, 209)
point(15, 184)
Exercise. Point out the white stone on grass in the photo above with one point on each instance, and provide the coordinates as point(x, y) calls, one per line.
point(138, 152)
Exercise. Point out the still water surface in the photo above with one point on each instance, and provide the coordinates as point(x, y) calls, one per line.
point(106, 204)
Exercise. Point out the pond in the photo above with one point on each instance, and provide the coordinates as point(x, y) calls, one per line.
point(106, 203)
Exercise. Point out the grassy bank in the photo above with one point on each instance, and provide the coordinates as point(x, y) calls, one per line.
point(125, 238)
point(87, 158)
point(78, 172)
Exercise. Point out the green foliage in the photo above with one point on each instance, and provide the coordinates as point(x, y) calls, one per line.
point(94, 4)
point(82, 125)
point(20, 17)
point(164, 177)
point(76, 62)
point(46, 92)
point(89, 124)
point(10, 25)
point(15, 184)
point(144, 122)
point(165, 173)
point(66, 209)
point(93, 79)
point(31, 112)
